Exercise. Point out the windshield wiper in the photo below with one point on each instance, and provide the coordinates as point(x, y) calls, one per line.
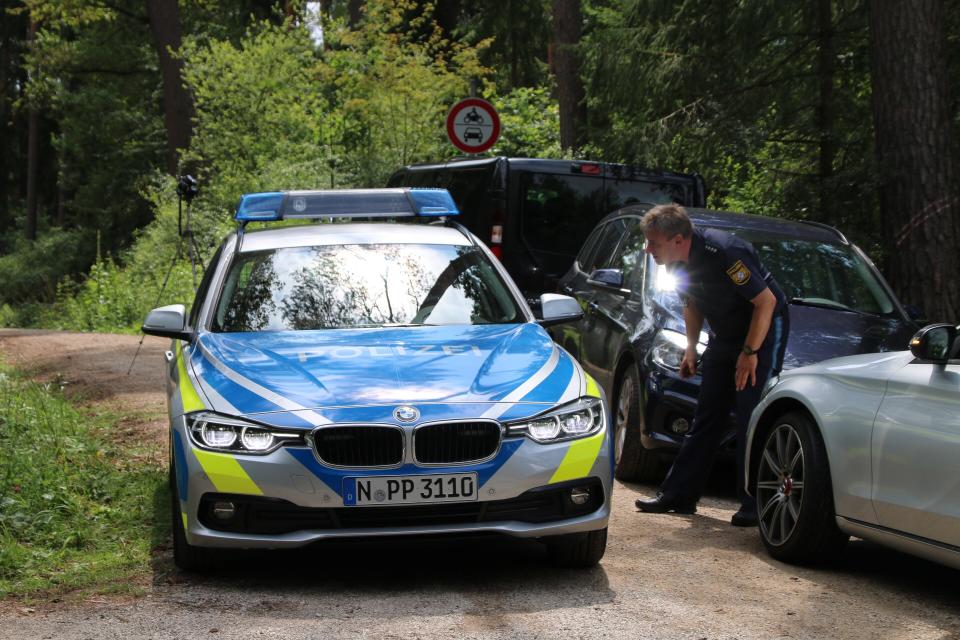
point(824, 303)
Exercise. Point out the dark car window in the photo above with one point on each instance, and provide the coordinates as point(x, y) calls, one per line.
point(630, 256)
point(340, 286)
point(204, 287)
point(821, 272)
point(607, 242)
point(622, 193)
point(558, 211)
point(809, 271)
point(470, 190)
point(586, 253)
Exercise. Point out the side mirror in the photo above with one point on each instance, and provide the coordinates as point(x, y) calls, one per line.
point(167, 322)
point(558, 309)
point(934, 343)
point(610, 278)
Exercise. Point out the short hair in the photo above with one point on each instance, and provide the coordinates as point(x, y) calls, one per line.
point(668, 219)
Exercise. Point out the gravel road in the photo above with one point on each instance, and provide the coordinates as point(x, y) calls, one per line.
point(664, 576)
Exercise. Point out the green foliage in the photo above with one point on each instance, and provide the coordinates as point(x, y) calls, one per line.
point(73, 511)
point(530, 124)
point(733, 91)
point(28, 273)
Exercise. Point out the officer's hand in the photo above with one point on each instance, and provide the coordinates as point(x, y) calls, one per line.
point(688, 366)
point(746, 371)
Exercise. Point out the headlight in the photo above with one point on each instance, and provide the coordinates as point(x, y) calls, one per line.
point(222, 433)
point(669, 346)
point(581, 418)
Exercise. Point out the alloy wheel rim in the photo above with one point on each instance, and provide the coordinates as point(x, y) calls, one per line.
point(623, 415)
point(780, 484)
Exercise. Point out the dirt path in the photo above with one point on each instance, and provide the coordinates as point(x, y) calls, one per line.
point(664, 576)
point(93, 369)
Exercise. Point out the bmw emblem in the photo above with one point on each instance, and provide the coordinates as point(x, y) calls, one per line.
point(406, 413)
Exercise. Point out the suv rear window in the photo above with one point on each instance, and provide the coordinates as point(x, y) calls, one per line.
point(548, 200)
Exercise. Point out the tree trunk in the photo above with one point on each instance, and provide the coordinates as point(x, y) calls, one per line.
point(33, 152)
point(919, 206)
point(177, 106)
point(567, 20)
point(826, 70)
point(354, 13)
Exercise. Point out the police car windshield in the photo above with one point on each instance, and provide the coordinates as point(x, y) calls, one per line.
point(810, 272)
point(363, 285)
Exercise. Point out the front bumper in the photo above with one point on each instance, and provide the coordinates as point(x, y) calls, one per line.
point(666, 399)
point(290, 487)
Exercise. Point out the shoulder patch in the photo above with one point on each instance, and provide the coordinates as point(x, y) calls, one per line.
point(739, 273)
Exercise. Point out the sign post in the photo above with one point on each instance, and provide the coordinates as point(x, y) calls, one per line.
point(473, 125)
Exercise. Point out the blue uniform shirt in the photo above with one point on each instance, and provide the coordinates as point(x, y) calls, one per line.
point(721, 276)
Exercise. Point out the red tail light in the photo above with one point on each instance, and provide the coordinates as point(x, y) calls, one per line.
point(586, 168)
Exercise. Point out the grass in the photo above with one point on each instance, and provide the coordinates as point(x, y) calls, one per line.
point(78, 511)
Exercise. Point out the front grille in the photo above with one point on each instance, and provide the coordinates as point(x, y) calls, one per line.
point(359, 446)
point(451, 442)
point(257, 515)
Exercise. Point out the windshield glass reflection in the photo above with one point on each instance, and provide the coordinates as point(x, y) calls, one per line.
point(343, 286)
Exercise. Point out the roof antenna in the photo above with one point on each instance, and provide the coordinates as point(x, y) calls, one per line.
point(187, 189)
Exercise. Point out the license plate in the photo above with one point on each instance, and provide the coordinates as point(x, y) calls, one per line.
point(389, 490)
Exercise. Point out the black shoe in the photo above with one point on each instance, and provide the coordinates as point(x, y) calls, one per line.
point(660, 504)
point(744, 519)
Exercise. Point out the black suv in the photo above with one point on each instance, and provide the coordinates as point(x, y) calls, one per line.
point(534, 214)
point(631, 338)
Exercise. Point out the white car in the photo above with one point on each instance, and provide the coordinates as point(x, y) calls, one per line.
point(866, 445)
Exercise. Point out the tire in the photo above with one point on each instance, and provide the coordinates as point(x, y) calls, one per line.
point(187, 557)
point(631, 460)
point(795, 495)
point(577, 550)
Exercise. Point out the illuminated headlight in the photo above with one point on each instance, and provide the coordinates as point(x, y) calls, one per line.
point(669, 346)
point(222, 433)
point(581, 418)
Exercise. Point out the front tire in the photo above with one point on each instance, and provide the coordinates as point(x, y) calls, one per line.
point(577, 550)
point(795, 495)
point(632, 461)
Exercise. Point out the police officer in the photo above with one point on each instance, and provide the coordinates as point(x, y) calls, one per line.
point(720, 280)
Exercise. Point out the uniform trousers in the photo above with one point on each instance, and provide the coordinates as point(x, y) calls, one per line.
point(718, 397)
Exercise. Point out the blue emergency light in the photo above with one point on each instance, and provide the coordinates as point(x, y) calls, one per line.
point(345, 203)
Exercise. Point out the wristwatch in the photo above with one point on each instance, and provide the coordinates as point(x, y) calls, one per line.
point(750, 352)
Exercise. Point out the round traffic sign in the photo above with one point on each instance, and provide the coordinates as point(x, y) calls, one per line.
point(473, 125)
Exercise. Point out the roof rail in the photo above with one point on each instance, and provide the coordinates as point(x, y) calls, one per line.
point(827, 227)
point(403, 202)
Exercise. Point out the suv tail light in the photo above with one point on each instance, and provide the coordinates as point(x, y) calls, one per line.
point(496, 230)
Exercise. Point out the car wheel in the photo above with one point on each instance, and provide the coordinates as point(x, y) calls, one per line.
point(794, 493)
point(632, 461)
point(186, 556)
point(577, 550)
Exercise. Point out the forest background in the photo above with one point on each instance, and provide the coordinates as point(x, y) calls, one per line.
point(838, 111)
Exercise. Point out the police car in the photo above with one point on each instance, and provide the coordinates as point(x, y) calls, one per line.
point(382, 377)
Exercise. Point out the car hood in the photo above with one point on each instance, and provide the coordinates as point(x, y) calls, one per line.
point(334, 370)
point(865, 366)
point(818, 334)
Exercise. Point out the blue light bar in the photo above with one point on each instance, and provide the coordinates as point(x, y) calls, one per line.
point(346, 203)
